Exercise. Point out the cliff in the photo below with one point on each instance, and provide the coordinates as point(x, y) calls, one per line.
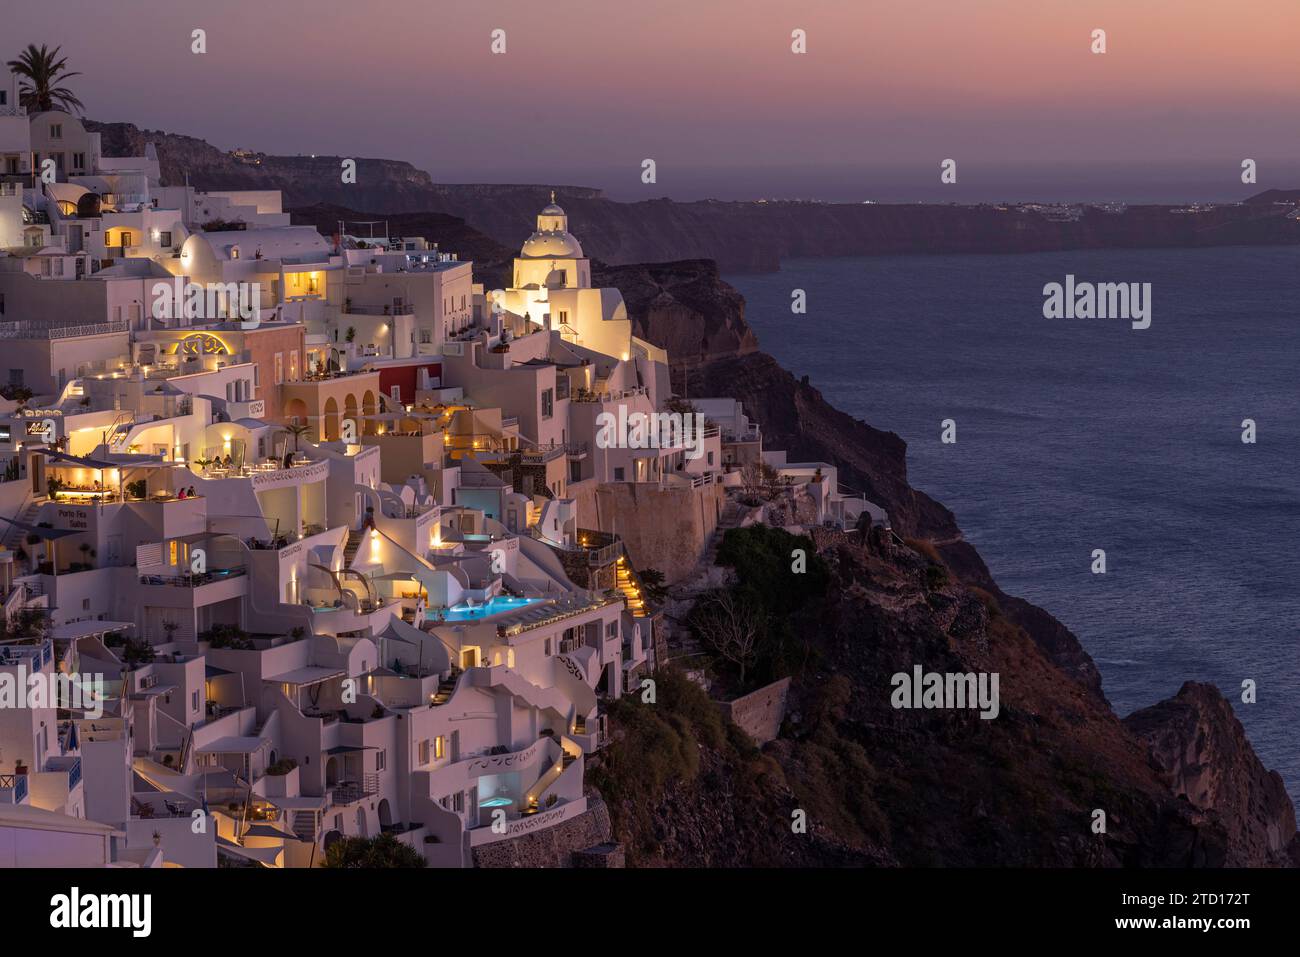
point(755, 237)
point(1179, 782)
point(1201, 750)
point(879, 785)
point(739, 236)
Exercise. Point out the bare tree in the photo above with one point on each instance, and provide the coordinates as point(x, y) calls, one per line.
point(730, 627)
point(757, 474)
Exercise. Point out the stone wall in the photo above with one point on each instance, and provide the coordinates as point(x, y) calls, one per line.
point(558, 846)
point(760, 713)
point(663, 528)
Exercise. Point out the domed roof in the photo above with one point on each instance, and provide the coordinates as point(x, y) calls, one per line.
point(558, 244)
point(553, 210)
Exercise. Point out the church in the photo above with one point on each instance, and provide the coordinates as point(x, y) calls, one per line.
point(552, 288)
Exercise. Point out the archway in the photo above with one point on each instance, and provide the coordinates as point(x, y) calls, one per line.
point(350, 412)
point(368, 408)
point(330, 424)
point(385, 815)
point(331, 772)
point(296, 412)
point(361, 822)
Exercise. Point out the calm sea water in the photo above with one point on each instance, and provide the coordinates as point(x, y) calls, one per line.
point(1074, 435)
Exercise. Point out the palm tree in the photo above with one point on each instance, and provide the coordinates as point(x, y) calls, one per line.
point(40, 69)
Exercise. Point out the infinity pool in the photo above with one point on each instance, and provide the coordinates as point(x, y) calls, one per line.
point(494, 606)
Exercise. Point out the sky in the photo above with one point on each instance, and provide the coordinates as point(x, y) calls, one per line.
point(711, 91)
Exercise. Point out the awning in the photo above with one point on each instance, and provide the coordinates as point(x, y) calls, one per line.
point(268, 830)
point(89, 463)
point(235, 745)
point(48, 534)
point(262, 855)
point(307, 676)
point(72, 630)
point(349, 749)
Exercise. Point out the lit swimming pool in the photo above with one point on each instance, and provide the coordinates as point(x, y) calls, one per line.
point(495, 606)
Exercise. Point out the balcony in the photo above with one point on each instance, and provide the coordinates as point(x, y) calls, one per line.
point(194, 580)
point(13, 788)
point(349, 792)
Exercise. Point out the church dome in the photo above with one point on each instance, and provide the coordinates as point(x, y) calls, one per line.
point(553, 210)
point(558, 244)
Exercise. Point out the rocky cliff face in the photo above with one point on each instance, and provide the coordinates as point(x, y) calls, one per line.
point(1179, 782)
point(879, 785)
point(1201, 750)
point(685, 307)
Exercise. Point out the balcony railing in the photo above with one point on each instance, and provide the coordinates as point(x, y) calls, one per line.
point(194, 580)
point(17, 783)
point(347, 792)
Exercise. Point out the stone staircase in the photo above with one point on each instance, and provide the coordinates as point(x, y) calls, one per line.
point(446, 687)
point(304, 825)
point(352, 546)
point(14, 537)
point(630, 588)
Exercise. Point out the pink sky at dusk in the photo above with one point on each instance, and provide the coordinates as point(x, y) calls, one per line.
point(709, 83)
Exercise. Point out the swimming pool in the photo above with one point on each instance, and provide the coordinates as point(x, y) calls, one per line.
point(495, 606)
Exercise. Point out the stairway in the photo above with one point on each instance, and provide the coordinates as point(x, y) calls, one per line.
point(630, 588)
point(446, 687)
point(352, 546)
point(732, 515)
point(14, 537)
point(304, 825)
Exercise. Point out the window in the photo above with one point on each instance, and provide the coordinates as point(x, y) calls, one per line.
point(78, 160)
point(458, 801)
point(85, 604)
point(439, 747)
point(2, 304)
point(165, 238)
point(426, 336)
point(396, 393)
point(710, 458)
point(194, 701)
point(611, 629)
point(293, 365)
point(171, 551)
point(381, 758)
point(279, 367)
point(546, 647)
point(548, 403)
point(234, 252)
point(618, 475)
point(564, 316)
point(127, 238)
point(424, 751)
point(15, 376)
point(56, 131)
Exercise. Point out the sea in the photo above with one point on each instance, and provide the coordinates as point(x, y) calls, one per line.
point(1074, 436)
